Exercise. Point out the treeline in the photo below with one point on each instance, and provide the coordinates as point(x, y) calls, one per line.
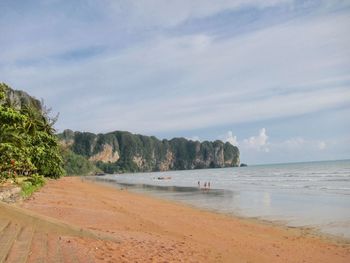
point(75, 164)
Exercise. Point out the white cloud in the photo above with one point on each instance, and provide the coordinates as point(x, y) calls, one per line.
point(295, 149)
point(163, 13)
point(194, 138)
point(294, 143)
point(231, 138)
point(259, 142)
point(322, 145)
point(299, 144)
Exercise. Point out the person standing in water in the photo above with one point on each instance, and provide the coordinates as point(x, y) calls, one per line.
point(208, 185)
point(199, 184)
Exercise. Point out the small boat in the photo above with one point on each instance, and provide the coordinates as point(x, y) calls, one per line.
point(164, 177)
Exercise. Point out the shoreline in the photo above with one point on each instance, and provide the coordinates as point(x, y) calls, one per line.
point(306, 230)
point(157, 230)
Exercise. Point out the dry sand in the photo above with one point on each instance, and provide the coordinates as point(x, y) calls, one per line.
point(153, 230)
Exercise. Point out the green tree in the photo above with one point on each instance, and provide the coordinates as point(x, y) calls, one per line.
point(27, 141)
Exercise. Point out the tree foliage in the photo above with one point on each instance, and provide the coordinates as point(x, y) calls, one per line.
point(28, 144)
point(75, 164)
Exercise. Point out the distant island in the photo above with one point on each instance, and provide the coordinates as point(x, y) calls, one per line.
point(121, 151)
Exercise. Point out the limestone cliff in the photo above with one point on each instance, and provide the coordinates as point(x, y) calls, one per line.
point(18, 99)
point(121, 151)
point(106, 155)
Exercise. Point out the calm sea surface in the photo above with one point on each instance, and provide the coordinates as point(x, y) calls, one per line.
point(315, 194)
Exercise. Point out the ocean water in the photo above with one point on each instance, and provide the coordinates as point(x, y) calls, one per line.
point(314, 194)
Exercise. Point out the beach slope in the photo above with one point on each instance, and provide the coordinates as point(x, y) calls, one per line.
point(147, 229)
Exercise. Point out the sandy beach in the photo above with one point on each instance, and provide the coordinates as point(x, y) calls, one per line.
point(146, 229)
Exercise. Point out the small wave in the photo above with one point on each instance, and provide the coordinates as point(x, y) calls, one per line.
point(337, 180)
point(335, 188)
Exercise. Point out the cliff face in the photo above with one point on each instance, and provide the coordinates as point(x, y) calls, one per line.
point(18, 99)
point(121, 151)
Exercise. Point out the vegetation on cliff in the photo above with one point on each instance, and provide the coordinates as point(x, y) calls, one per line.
point(121, 151)
point(75, 164)
point(28, 144)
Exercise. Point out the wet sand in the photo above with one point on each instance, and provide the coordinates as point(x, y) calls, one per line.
point(148, 229)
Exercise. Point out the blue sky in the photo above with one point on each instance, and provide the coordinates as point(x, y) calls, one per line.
point(271, 76)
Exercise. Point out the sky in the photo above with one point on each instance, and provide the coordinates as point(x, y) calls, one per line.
point(270, 76)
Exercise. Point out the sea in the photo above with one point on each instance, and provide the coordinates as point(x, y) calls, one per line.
point(313, 195)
